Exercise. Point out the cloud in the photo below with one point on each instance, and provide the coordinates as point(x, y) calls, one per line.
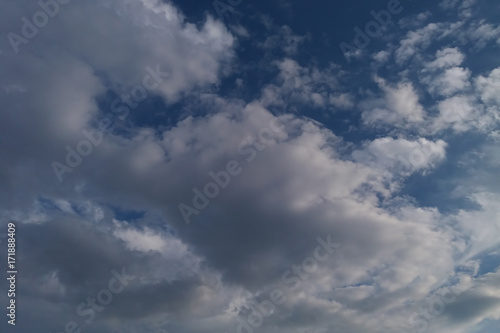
point(283, 39)
point(489, 87)
point(453, 80)
point(474, 110)
point(369, 187)
point(416, 40)
point(56, 91)
point(399, 106)
point(446, 58)
point(381, 56)
point(390, 154)
point(141, 241)
point(300, 184)
point(300, 85)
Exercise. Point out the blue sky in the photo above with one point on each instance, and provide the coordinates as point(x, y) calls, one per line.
point(252, 166)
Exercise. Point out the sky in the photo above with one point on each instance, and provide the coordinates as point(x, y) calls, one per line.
point(251, 166)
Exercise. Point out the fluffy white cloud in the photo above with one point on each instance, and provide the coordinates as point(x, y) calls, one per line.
point(446, 58)
point(456, 112)
point(474, 110)
point(400, 106)
point(381, 57)
point(141, 241)
point(391, 154)
point(416, 40)
point(451, 81)
point(489, 87)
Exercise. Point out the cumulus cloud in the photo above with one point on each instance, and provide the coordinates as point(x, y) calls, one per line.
point(56, 91)
point(340, 220)
point(389, 153)
point(447, 58)
point(451, 81)
point(416, 40)
point(476, 109)
point(489, 87)
point(399, 106)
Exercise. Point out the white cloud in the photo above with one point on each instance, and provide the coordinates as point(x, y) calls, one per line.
point(455, 112)
point(479, 33)
point(392, 154)
point(446, 58)
point(489, 87)
point(143, 241)
point(381, 57)
point(415, 41)
point(400, 106)
point(451, 81)
point(464, 8)
point(482, 225)
point(469, 110)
